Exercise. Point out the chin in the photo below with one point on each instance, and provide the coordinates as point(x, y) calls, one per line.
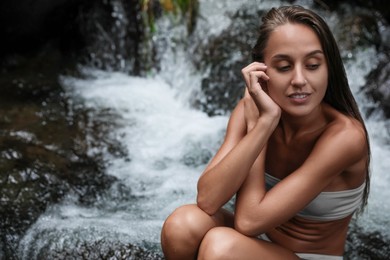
point(301, 111)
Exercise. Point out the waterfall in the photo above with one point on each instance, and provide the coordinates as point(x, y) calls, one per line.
point(169, 143)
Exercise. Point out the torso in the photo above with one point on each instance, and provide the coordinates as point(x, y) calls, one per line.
point(299, 234)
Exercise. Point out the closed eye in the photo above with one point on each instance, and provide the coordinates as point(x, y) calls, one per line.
point(312, 66)
point(283, 68)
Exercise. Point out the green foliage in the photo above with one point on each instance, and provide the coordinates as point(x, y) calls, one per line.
point(187, 9)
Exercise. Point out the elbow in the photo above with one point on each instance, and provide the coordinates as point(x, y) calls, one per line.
point(204, 200)
point(206, 205)
point(247, 226)
point(244, 227)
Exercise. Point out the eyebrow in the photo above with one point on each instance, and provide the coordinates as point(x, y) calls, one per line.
point(285, 56)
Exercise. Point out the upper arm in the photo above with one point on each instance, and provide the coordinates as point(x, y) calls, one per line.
point(335, 151)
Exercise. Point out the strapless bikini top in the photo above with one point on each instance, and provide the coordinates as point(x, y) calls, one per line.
point(327, 205)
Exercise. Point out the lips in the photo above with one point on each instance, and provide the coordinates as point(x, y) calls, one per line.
point(299, 98)
point(299, 95)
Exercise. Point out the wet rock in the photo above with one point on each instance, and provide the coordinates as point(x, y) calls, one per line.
point(363, 245)
point(45, 144)
point(374, 5)
point(224, 56)
point(378, 86)
point(358, 28)
point(100, 250)
point(113, 33)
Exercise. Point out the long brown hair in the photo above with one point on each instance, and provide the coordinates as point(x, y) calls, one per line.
point(338, 93)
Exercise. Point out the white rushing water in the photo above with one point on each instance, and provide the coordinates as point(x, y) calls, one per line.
point(163, 137)
point(168, 144)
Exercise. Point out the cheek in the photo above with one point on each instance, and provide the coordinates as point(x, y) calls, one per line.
point(323, 77)
point(274, 90)
point(321, 82)
point(276, 85)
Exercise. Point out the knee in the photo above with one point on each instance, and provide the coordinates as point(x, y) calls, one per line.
point(218, 243)
point(183, 231)
point(182, 225)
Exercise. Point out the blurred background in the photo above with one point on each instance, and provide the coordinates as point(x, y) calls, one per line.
point(110, 110)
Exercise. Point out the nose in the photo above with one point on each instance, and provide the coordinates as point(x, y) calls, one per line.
point(298, 77)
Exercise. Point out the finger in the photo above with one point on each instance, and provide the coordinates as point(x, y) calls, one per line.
point(257, 66)
point(254, 86)
point(261, 77)
point(256, 79)
point(254, 66)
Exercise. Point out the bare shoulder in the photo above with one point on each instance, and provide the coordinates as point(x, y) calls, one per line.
point(343, 126)
point(345, 136)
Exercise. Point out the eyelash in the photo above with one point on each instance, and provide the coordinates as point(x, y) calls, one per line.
point(310, 67)
point(283, 68)
point(313, 66)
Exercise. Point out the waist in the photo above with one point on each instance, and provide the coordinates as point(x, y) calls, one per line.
point(308, 256)
point(318, 237)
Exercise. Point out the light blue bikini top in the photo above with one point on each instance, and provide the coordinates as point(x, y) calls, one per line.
point(327, 205)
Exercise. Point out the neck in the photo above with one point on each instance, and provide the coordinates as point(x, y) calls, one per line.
point(294, 126)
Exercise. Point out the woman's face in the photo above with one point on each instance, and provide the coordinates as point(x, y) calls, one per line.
point(297, 69)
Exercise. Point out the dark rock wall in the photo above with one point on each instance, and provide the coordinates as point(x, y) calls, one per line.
point(102, 33)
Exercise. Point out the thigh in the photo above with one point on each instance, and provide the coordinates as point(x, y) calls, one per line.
point(227, 243)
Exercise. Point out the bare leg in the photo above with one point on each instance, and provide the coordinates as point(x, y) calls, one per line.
point(226, 243)
point(185, 228)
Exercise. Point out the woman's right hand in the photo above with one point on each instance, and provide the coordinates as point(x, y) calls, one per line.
point(257, 103)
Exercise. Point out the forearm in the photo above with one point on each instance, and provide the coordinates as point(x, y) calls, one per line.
point(219, 183)
point(250, 194)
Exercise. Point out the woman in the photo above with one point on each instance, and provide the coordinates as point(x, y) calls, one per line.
point(296, 155)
